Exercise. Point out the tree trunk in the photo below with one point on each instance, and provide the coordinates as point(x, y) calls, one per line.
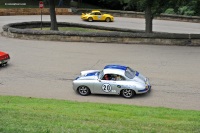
point(148, 19)
point(53, 15)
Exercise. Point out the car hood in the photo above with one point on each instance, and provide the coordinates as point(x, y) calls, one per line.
point(4, 56)
point(2, 53)
point(88, 75)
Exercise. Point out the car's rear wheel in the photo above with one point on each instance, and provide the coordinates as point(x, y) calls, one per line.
point(90, 19)
point(83, 90)
point(127, 93)
point(108, 19)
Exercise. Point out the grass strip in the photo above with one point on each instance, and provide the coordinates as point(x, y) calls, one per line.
point(34, 115)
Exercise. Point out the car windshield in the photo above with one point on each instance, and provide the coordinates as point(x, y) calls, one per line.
point(100, 75)
point(130, 73)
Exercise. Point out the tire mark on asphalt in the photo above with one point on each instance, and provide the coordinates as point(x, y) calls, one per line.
point(95, 64)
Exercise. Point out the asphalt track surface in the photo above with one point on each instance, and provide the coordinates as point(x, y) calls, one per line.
point(45, 69)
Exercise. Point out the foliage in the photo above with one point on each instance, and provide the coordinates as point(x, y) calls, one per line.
point(185, 10)
point(35, 115)
point(170, 11)
point(181, 7)
point(185, 7)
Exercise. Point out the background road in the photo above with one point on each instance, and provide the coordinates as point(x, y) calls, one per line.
point(46, 69)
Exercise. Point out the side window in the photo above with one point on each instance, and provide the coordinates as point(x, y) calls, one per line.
point(129, 74)
point(119, 78)
point(106, 77)
point(97, 13)
point(114, 77)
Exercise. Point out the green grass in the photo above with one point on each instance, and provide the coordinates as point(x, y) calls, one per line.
point(74, 29)
point(33, 115)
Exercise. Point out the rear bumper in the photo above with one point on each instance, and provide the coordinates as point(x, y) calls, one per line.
point(147, 88)
point(84, 18)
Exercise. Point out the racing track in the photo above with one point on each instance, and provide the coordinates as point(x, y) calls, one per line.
point(45, 69)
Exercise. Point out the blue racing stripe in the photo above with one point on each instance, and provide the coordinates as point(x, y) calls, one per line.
point(91, 74)
point(116, 67)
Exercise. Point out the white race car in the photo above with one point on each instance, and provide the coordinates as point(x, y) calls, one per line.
point(113, 79)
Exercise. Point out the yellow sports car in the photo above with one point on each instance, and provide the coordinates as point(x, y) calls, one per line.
point(96, 15)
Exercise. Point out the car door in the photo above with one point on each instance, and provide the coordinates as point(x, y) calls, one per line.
point(105, 87)
point(97, 16)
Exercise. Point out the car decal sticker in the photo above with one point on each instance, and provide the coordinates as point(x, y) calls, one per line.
point(137, 73)
point(91, 74)
point(119, 86)
point(114, 91)
point(116, 67)
point(106, 88)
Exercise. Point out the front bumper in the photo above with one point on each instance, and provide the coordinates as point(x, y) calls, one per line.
point(4, 61)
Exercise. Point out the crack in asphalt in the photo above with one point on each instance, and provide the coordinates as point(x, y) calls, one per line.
point(65, 79)
point(189, 93)
point(95, 64)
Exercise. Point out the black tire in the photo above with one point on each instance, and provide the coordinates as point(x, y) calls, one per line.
point(127, 93)
point(90, 19)
point(107, 19)
point(4, 64)
point(83, 90)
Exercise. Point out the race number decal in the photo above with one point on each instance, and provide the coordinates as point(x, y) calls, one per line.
point(106, 88)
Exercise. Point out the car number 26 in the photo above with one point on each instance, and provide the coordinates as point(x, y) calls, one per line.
point(106, 87)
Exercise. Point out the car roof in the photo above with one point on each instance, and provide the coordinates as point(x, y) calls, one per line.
point(115, 69)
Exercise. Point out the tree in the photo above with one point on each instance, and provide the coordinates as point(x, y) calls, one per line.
point(151, 9)
point(53, 15)
point(148, 16)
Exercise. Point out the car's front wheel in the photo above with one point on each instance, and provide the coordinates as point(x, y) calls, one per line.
point(127, 93)
point(108, 19)
point(90, 19)
point(83, 90)
point(4, 64)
